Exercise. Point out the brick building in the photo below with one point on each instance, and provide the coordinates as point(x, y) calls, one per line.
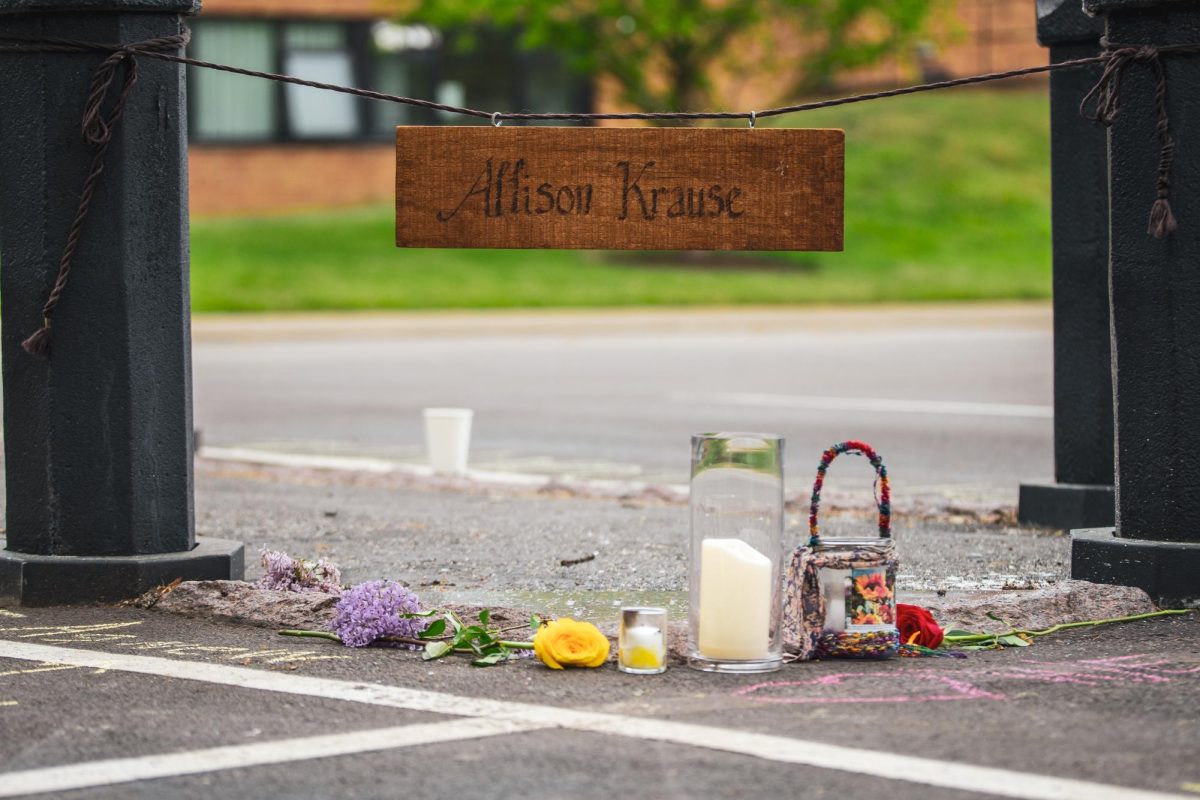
point(259, 147)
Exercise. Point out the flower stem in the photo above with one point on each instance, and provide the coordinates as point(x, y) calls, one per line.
point(1063, 626)
point(400, 640)
point(312, 634)
point(985, 637)
point(408, 640)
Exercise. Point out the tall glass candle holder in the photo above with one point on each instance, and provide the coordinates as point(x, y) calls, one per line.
point(736, 552)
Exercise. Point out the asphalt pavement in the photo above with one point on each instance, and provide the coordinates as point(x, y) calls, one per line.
point(123, 703)
point(956, 397)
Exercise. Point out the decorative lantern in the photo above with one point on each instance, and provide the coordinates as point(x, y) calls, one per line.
point(841, 594)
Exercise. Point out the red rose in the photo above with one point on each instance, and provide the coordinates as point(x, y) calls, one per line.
point(917, 626)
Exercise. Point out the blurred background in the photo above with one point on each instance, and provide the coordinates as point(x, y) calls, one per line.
point(575, 361)
point(947, 194)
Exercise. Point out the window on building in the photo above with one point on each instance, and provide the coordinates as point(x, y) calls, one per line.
point(550, 87)
point(405, 59)
point(398, 59)
point(228, 106)
point(318, 51)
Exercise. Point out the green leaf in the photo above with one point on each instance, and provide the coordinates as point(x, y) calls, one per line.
point(958, 632)
point(477, 634)
point(436, 650)
point(535, 622)
point(490, 659)
point(484, 616)
point(435, 629)
point(414, 614)
point(1012, 640)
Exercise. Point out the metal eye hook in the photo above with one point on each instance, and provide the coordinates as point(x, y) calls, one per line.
point(753, 114)
point(496, 119)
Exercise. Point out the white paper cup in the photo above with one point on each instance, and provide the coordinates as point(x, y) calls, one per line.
point(448, 438)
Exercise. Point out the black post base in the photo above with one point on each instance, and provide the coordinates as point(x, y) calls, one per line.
point(36, 580)
point(1168, 571)
point(1066, 506)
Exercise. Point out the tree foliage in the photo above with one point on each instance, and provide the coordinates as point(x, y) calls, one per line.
point(662, 54)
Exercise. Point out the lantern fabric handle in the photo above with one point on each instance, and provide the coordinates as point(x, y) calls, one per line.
point(884, 500)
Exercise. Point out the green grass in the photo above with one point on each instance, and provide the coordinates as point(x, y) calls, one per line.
point(947, 198)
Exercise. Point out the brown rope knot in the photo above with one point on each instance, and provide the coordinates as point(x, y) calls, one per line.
point(1105, 98)
point(97, 128)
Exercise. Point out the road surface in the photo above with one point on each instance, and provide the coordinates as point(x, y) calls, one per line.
point(117, 703)
point(956, 397)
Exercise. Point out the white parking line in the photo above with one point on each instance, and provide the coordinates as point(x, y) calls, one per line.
point(910, 769)
point(881, 405)
point(108, 772)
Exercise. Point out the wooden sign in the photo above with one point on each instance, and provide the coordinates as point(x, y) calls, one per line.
point(619, 188)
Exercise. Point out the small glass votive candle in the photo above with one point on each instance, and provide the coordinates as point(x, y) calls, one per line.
point(642, 640)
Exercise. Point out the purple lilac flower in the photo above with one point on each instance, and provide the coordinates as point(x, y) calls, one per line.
point(284, 573)
point(372, 609)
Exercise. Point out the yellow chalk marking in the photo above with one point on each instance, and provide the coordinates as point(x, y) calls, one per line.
point(184, 648)
point(99, 632)
point(276, 656)
point(6, 703)
point(1190, 787)
point(93, 637)
point(44, 631)
point(155, 645)
point(4, 612)
point(188, 649)
point(289, 656)
point(31, 670)
point(50, 668)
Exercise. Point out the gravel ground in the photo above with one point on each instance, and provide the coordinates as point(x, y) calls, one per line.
point(503, 547)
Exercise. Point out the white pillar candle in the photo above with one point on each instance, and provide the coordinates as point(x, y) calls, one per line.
point(835, 614)
point(833, 586)
point(735, 600)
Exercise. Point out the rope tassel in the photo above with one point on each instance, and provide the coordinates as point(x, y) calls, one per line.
point(1162, 219)
point(1105, 96)
point(38, 343)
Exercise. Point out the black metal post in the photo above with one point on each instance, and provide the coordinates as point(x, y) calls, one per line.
point(1155, 307)
point(1081, 494)
point(97, 440)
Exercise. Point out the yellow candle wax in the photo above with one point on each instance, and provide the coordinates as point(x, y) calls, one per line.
point(643, 647)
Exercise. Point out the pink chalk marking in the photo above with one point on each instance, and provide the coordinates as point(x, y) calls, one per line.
point(960, 690)
point(1153, 669)
point(1092, 672)
point(1051, 676)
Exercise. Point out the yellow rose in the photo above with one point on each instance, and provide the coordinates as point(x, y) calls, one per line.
point(568, 643)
